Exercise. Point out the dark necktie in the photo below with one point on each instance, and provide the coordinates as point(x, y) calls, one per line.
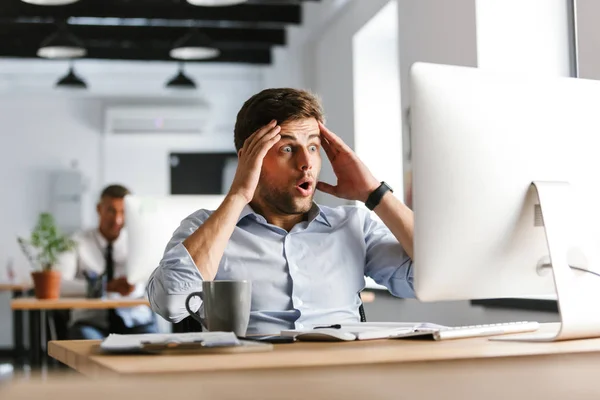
point(110, 263)
point(113, 318)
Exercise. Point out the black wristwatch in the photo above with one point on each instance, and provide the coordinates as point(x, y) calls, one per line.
point(376, 195)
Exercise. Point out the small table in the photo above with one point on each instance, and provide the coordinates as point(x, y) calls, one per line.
point(465, 368)
point(17, 290)
point(37, 315)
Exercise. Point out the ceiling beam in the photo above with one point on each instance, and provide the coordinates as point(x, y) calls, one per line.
point(35, 33)
point(169, 10)
point(247, 56)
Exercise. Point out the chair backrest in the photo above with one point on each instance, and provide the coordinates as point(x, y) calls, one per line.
point(187, 324)
point(361, 311)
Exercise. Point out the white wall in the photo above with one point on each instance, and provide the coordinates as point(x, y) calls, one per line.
point(538, 40)
point(44, 131)
point(588, 38)
point(377, 117)
point(436, 31)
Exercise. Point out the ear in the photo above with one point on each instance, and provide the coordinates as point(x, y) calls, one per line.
point(239, 153)
point(98, 208)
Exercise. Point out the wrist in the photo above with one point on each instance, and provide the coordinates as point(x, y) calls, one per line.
point(371, 187)
point(237, 198)
point(377, 195)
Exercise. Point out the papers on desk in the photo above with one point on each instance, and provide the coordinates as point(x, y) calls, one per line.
point(138, 343)
point(360, 331)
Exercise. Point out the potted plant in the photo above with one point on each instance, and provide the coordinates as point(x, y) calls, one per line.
point(42, 249)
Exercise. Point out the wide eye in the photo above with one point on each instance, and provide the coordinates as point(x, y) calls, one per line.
point(313, 148)
point(286, 149)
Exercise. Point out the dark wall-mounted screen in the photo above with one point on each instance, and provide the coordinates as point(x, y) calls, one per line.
point(201, 173)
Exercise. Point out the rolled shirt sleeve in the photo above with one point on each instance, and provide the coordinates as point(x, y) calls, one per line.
point(177, 275)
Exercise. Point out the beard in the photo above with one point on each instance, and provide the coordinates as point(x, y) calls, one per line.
point(283, 201)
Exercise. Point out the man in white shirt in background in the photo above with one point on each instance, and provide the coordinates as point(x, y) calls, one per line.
point(104, 250)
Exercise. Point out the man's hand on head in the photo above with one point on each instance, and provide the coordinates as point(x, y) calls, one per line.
point(354, 180)
point(120, 285)
point(250, 160)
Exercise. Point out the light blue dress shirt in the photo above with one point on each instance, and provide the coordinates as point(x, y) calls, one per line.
point(310, 275)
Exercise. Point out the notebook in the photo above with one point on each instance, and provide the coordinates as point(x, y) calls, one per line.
point(359, 331)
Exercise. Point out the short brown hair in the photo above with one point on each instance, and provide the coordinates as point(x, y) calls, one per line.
point(115, 192)
point(281, 104)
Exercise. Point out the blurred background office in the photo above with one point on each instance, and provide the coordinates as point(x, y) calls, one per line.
point(146, 94)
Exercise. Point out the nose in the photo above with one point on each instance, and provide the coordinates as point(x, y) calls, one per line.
point(304, 160)
point(119, 219)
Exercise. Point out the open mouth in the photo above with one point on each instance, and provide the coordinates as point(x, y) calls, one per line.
point(304, 187)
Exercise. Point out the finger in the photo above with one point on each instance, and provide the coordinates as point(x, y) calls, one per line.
point(259, 133)
point(332, 138)
point(265, 145)
point(331, 153)
point(265, 136)
point(327, 188)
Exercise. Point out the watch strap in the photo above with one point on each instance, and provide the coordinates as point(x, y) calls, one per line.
point(376, 195)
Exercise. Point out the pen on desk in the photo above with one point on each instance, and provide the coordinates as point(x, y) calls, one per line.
point(335, 326)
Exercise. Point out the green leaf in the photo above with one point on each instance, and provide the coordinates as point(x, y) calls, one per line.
point(48, 240)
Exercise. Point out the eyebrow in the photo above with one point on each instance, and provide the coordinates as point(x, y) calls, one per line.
point(290, 137)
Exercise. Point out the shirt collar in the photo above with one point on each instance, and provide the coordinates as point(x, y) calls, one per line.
point(317, 214)
point(314, 214)
point(102, 240)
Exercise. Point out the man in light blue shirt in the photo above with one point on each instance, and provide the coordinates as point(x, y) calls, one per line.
point(306, 262)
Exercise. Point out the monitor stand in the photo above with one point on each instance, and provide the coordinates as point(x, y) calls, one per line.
point(577, 292)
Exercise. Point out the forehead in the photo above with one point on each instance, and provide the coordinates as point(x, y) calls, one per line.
point(300, 129)
point(115, 202)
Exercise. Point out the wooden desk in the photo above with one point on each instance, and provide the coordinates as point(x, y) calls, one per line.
point(37, 317)
point(14, 287)
point(398, 366)
point(69, 303)
point(428, 381)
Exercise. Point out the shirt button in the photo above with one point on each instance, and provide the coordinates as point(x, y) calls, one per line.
point(300, 326)
point(299, 302)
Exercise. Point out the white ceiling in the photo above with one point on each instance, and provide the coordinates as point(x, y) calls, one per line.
point(117, 77)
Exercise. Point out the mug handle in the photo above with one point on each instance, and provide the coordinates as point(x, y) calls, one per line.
point(187, 305)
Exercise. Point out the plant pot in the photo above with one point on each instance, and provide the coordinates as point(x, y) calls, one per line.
point(46, 284)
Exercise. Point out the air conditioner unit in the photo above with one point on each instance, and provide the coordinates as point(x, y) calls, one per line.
point(193, 119)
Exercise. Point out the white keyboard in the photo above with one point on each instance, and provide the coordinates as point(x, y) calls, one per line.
point(460, 332)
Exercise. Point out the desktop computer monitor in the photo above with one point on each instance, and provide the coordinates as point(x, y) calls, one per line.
point(151, 221)
point(483, 229)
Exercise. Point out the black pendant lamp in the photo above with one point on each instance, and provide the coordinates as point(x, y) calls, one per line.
point(181, 80)
point(71, 81)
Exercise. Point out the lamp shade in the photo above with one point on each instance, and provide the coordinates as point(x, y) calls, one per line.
point(50, 2)
point(61, 44)
point(181, 81)
point(194, 46)
point(72, 81)
point(215, 3)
